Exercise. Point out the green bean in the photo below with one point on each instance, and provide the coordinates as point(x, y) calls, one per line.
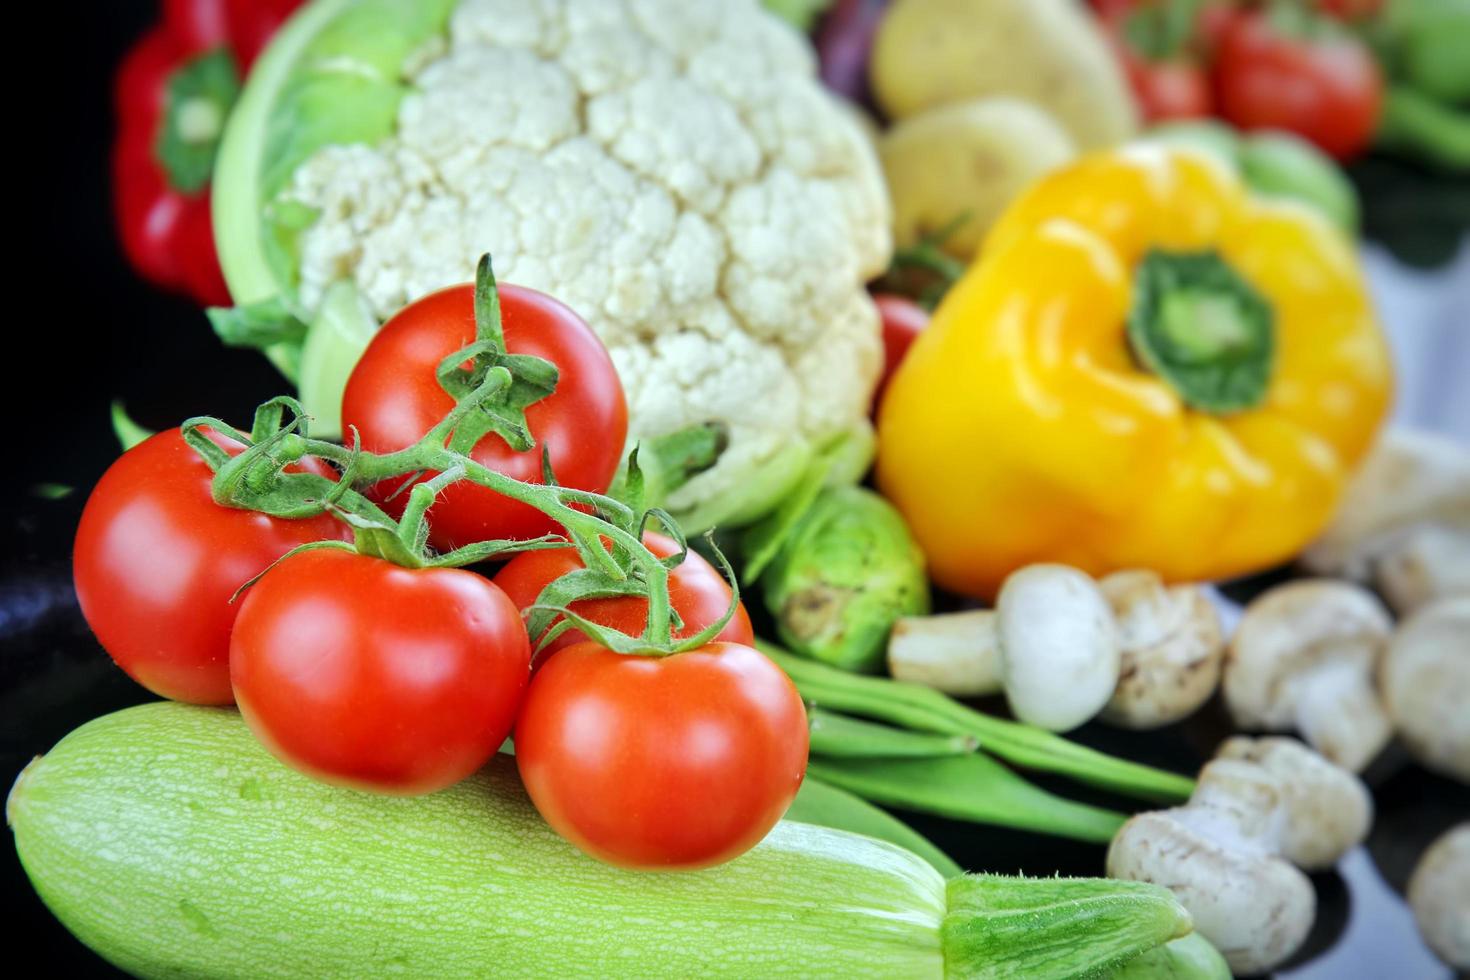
point(967, 787)
point(827, 806)
point(837, 735)
point(927, 710)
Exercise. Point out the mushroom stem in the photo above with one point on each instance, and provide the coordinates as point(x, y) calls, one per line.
point(1338, 712)
point(956, 653)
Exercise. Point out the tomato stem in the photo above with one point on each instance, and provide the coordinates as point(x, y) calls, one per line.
point(492, 389)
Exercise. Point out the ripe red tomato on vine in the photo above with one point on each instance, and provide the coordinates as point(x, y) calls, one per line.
point(662, 762)
point(394, 397)
point(366, 674)
point(157, 562)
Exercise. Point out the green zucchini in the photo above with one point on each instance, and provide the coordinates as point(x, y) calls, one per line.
point(169, 841)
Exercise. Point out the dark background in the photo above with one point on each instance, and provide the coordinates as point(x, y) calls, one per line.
point(84, 330)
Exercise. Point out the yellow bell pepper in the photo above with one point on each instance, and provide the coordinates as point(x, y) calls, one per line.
point(1145, 367)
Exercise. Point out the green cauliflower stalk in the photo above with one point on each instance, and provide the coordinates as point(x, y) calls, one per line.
point(845, 573)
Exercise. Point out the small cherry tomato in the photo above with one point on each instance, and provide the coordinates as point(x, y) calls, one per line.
point(1305, 75)
point(1172, 89)
point(362, 673)
point(674, 762)
point(157, 561)
point(697, 592)
point(393, 398)
point(903, 320)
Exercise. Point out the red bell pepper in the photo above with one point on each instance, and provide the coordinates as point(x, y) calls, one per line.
point(173, 91)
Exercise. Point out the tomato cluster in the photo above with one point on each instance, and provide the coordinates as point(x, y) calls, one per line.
point(390, 678)
point(1260, 66)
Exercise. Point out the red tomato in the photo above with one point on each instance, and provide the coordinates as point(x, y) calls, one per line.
point(366, 674)
point(1323, 85)
point(1162, 73)
point(1171, 89)
point(665, 763)
point(157, 561)
point(393, 398)
point(903, 320)
point(697, 592)
point(1351, 10)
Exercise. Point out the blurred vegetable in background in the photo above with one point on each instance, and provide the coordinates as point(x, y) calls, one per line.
point(846, 572)
point(1274, 163)
point(844, 41)
point(1209, 373)
point(903, 321)
point(174, 90)
point(954, 168)
point(1284, 67)
point(1049, 52)
point(1425, 47)
point(1156, 45)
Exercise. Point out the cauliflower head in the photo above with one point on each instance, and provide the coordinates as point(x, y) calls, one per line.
point(671, 170)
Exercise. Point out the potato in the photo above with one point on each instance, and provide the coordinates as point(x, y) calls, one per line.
point(970, 158)
point(1049, 52)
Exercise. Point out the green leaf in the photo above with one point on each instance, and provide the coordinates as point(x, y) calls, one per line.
point(52, 491)
point(128, 432)
point(257, 325)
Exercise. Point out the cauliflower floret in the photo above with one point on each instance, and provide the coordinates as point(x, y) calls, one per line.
point(670, 170)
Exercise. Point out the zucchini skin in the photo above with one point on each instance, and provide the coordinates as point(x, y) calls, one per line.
point(171, 843)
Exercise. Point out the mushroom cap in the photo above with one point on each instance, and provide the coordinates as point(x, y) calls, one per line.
point(1404, 523)
point(1425, 680)
point(1439, 894)
point(1059, 646)
point(1171, 649)
point(1409, 479)
point(1430, 561)
point(1253, 906)
point(1328, 809)
point(1291, 629)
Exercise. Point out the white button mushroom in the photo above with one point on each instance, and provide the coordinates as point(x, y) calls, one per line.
point(1439, 894)
point(1425, 681)
point(1058, 645)
point(1228, 854)
point(1171, 646)
point(1328, 809)
point(1051, 644)
point(1404, 524)
point(1217, 855)
point(1303, 657)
